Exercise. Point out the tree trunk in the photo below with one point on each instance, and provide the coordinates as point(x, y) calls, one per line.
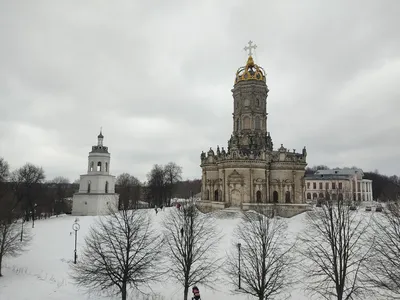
point(185, 292)
point(1, 259)
point(123, 291)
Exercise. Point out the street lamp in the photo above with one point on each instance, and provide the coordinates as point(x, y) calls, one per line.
point(22, 228)
point(76, 227)
point(239, 245)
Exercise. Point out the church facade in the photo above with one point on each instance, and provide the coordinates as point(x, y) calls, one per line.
point(250, 171)
point(97, 187)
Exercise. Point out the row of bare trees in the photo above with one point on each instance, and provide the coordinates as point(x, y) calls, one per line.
point(335, 252)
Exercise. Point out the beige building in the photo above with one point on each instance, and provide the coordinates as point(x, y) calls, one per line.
point(339, 184)
point(250, 171)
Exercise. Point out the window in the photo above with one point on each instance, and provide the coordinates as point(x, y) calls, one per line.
point(106, 188)
point(258, 102)
point(308, 196)
point(98, 166)
point(314, 185)
point(287, 197)
point(91, 166)
point(314, 196)
point(216, 198)
point(333, 186)
point(237, 125)
point(275, 196)
point(258, 123)
point(308, 185)
point(258, 196)
point(106, 167)
point(327, 185)
point(320, 186)
point(88, 187)
point(246, 122)
point(340, 186)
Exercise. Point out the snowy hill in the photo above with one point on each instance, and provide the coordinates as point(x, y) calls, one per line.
point(41, 273)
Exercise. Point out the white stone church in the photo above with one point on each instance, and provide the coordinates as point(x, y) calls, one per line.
point(97, 187)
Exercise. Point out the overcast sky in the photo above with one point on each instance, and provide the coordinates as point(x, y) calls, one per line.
point(157, 75)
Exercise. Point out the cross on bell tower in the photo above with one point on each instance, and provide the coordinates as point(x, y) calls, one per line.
point(250, 47)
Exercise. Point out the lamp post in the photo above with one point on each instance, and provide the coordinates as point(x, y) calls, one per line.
point(76, 227)
point(239, 245)
point(22, 228)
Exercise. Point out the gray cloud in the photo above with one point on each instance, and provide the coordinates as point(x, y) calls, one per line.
point(156, 75)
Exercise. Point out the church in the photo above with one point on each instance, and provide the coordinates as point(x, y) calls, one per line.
point(250, 171)
point(97, 187)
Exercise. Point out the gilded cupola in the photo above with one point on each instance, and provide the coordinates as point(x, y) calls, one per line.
point(250, 72)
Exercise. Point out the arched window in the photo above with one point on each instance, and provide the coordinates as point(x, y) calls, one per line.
point(258, 123)
point(258, 102)
point(92, 166)
point(88, 187)
point(246, 122)
point(308, 196)
point(216, 198)
point(314, 196)
point(258, 196)
point(106, 187)
point(321, 196)
point(98, 166)
point(287, 197)
point(106, 167)
point(275, 197)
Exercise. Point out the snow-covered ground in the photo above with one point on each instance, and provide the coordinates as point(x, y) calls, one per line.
point(41, 273)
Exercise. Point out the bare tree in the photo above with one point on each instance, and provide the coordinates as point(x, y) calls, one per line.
point(129, 189)
point(27, 181)
point(121, 253)
point(336, 251)
point(385, 267)
point(173, 174)
point(13, 240)
point(261, 262)
point(157, 185)
point(191, 243)
point(4, 170)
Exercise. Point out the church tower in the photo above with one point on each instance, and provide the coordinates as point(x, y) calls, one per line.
point(97, 187)
point(251, 173)
point(250, 94)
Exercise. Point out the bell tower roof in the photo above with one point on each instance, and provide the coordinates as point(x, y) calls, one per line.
point(99, 148)
point(250, 71)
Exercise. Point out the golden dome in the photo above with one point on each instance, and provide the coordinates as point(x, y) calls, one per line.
point(250, 72)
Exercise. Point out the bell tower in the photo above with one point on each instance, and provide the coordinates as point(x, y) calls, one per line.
point(97, 186)
point(250, 94)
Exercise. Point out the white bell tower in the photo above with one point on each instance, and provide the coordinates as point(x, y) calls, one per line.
point(97, 187)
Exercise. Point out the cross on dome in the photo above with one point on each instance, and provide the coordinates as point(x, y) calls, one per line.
point(250, 47)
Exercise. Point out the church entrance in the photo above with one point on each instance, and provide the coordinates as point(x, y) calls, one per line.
point(275, 197)
point(216, 198)
point(235, 198)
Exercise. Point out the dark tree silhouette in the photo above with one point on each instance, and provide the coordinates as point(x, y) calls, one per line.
point(121, 253)
point(262, 257)
point(336, 252)
point(385, 267)
point(191, 242)
point(129, 189)
point(27, 182)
